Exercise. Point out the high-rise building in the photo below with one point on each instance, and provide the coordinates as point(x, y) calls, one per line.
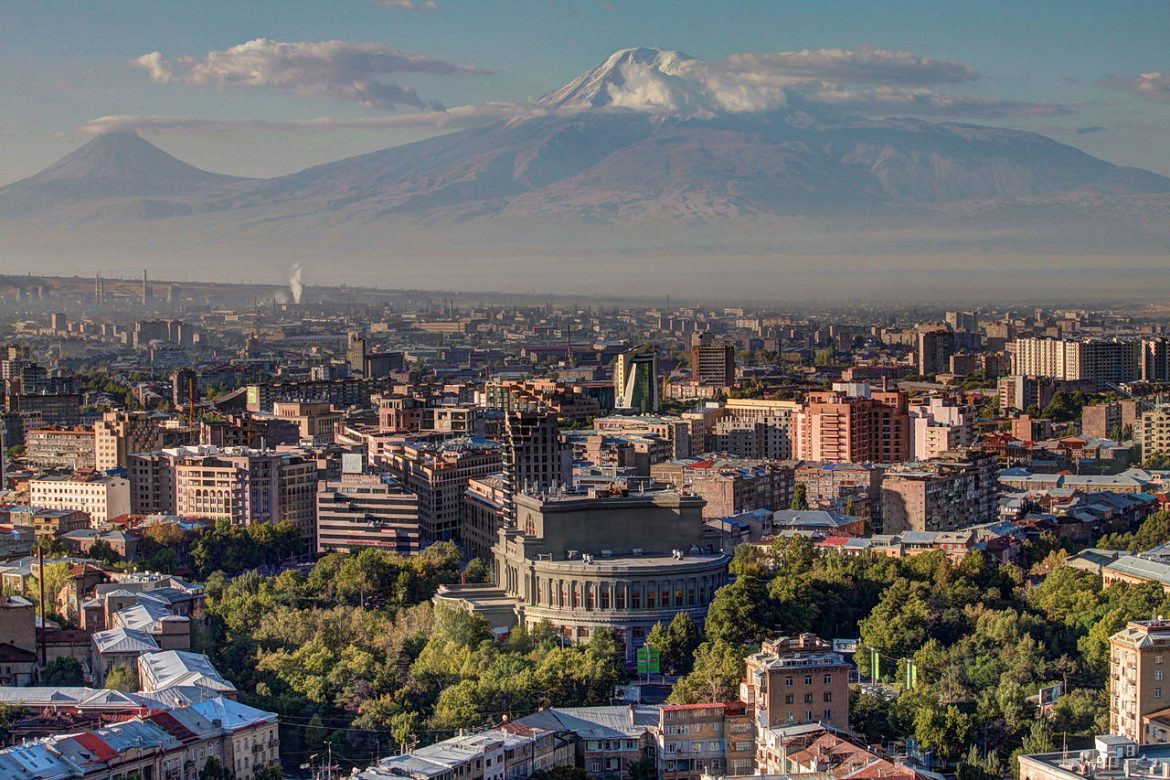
point(1151, 431)
point(533, 459)
point(635, 380)
point(1103, 362)
point(1139, 657)
point(712, 364)
point(1108, 419)
point(1155, 360)
point(184, 387)
point(933, 349)
point(483, 515)
point(754, 428)
point(938, 425)
point(366, 510)
point(854, 424)
point(355, 353)
point(797, 680)
point(120, 434)
point(952, 491)
point(438, 474)
point(241, 485)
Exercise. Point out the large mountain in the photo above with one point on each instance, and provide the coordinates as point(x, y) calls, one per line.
point(586, 157)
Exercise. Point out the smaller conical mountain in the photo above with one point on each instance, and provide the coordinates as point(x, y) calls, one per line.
point(115, 165)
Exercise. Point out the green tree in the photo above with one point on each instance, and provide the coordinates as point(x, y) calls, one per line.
point(102, 551)
point(943, 728)
point(52, 545)
point(799, 498)
point(643, 769)
point(63, 672)
point(740, 613)
point(718, 668)
point(477, 571)
point(122, 678)
point(213, 769)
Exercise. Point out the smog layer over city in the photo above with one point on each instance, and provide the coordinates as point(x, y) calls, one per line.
point(531, 389)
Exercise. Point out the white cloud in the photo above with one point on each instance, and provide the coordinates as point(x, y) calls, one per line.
point(451, 118)
point(1153, 85)
point(919, 101)
point(864, 81)
point(409, 5)
point(341, 70)
point(861, 65)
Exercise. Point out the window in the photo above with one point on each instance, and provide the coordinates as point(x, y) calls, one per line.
point(828, 714)
point(808, 698)
point(1157, 659)
point(828, 696)
point(828, 679)
point(635, 600)
point(1158, 674)
point(808, 679)
point(808, 714)
point(788, 682)
point(1157, 693)
point(788, 698)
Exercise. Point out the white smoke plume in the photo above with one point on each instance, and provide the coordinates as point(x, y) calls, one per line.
point(295, 286)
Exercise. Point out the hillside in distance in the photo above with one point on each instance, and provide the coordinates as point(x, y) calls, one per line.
point(585, 171)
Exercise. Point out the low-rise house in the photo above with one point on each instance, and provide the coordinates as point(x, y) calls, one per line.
point(170, 668)
point(161, 744)
point(118, 647)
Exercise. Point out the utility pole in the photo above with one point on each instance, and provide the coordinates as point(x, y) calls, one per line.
point(41, 580)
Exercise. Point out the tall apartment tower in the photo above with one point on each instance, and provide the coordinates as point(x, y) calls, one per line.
point(1155, 360)
point(532, 456)
point(184, 387)
point(355, 353)
point(118, 435)
point(712, 364)
point(1139, 658)
point(854, 425)
point(635, 380)
point(933, 349)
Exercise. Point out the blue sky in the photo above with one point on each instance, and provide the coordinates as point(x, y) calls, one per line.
point(63, 64)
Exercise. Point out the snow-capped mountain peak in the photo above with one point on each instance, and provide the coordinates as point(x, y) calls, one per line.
point(661, 81)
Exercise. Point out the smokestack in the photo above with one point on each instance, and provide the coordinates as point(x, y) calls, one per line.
point(294, 283)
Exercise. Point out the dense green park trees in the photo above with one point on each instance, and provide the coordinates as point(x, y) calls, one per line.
point(354, 653)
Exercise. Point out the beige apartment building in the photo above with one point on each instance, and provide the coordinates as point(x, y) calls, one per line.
point(102, 498)
point(1139, 686)
point(795, 680)
point(1151, 431)
point(314, 419)
point(120, 434)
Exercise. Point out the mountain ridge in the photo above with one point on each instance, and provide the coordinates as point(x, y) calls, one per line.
point(589, 161)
